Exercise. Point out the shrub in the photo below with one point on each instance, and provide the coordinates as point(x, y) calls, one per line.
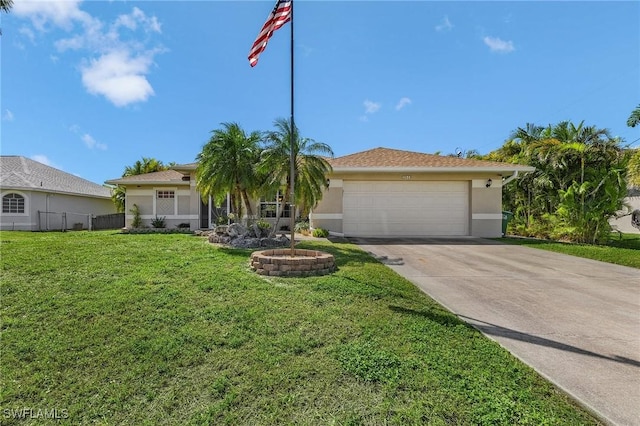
point(302, 228)
point(158, 222)
point(183, 225)
point(320, 233)
point(263, 224)
point(137, 219)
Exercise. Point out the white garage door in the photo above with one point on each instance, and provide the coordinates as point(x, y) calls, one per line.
point(407, 208)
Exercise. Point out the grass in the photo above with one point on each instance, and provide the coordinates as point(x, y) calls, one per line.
point(623, 249)
point(118, 329)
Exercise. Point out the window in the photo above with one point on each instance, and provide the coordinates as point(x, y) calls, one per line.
point(165, 194)
point(270, 209)
point(13, 203)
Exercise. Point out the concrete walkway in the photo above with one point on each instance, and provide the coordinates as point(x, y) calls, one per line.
point(576, 321)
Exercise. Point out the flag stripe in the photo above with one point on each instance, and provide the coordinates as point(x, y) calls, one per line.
point(280, 15)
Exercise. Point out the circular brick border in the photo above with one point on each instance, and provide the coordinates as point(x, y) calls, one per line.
point(304, 263)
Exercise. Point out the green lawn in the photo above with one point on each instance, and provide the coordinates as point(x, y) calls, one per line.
point(166, 329)
point(623, 249)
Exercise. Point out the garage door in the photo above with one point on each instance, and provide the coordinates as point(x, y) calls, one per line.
point(439, 208)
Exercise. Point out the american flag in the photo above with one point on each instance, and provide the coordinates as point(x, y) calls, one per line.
point(280, 15)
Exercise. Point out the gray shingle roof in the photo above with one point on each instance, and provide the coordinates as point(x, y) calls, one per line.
point(17, 172)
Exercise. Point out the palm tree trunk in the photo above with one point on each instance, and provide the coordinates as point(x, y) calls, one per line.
point(279, 215)
point(247, 203)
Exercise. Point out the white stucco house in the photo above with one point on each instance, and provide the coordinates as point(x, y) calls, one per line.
point(37, 197)
point(379, 192)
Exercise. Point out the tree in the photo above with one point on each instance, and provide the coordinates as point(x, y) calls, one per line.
point(147, 165)
point(227, 164)
point(578, 183)
point(634, 118)
point(310, 167)
point(6, 5)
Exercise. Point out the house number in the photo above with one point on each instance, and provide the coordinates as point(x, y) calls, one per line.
point(406, 177)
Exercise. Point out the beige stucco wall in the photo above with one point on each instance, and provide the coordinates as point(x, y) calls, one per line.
point(181, 209)
point(62, 208)
point(485, 203)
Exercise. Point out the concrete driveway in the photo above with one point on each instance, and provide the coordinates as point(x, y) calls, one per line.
point(576, 321)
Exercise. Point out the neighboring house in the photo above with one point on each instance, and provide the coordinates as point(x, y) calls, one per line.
point(387, 192)
point(36, 197)
point(623, 223)
point(379, 192)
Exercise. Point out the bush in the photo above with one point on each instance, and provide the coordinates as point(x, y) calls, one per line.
point(183, 225)
point(158, 222)
point(263, 224)
point(302, 228)
point(137, 219)
point(320, 233)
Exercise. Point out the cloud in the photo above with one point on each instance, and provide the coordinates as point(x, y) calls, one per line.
point(7, 115)
point(117, 56)
point(43, 159)
point(371, 107)
point(445, 25)
point(50, 12)
point(499, 45)
point(403, 102)
point(91, 143)
point(119, 77)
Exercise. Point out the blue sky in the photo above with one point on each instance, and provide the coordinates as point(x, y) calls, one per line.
point(90, 87)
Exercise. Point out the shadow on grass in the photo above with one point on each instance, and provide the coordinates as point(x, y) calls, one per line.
point(499, 331)
point(440, 318)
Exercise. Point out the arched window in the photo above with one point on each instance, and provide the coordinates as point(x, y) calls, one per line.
point(13, 203)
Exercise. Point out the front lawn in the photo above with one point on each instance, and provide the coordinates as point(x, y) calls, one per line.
point(623, 249)
point(119, 329)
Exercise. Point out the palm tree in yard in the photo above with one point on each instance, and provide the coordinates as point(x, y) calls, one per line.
point(311, 168)
point(227, 165)
point(147, 165)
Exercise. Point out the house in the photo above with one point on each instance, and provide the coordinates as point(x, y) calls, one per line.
point(623, 223)
point(37, 197)
point(388, 192)
point(379, 192)
point(173, 196)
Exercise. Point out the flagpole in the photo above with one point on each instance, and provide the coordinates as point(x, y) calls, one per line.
point(292, 159)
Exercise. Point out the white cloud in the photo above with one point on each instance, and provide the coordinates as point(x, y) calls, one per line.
point(7, 115)
point(371, 107)
point(114, 66)
point(91, 143)
point(445, 25)
point(403, 102)
point(55, 12)
point(498, 45)
point(119, 77)
point(43, 159)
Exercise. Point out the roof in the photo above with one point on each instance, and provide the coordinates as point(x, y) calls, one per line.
point(386, 159)
point(159, 178)
point(185, 167)
point(20, 173)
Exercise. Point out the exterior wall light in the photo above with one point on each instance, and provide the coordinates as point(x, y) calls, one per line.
point(489, 182)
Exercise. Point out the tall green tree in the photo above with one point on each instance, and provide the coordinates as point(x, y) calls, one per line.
point(140, 167)
point(311, 167)
point(227, 164)
point(578, 183)
point(634, 118)
point(6, 5)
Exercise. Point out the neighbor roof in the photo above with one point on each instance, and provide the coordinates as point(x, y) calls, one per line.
point(162, 177)
point(20, 173)
point(386, 159)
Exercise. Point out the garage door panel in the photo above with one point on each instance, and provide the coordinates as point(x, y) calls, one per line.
point(406, 208)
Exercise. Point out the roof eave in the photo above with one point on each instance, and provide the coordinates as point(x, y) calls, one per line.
point(491, 169)
point(54, 191)
point(147, 182)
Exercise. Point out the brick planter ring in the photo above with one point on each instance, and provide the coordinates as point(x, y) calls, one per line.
point(304, 263)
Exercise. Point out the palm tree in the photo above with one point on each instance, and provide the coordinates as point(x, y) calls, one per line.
point(634, 118)
point(147, 165)
point(6, 5)
point(310, 167)
point(227, 165)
